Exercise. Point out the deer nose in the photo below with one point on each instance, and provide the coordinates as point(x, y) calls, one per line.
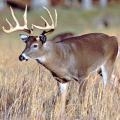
point(21, 58)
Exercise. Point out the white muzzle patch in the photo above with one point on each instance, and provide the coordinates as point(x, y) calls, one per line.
point(25, 56)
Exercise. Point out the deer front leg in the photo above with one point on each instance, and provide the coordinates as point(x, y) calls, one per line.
point(82, 86)
point(63, 90)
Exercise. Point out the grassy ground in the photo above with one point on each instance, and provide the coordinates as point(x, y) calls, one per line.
point(27, 89)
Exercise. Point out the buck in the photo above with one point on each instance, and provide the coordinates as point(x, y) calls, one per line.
point(69, 59)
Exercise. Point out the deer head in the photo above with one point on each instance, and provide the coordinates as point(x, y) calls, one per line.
point(33, 43)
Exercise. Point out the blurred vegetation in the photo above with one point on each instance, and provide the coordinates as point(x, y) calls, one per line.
point(71, 19)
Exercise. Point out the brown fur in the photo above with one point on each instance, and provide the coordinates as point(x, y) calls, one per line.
point(62, 36)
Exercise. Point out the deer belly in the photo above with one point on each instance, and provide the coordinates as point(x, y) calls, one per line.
point(64, 75)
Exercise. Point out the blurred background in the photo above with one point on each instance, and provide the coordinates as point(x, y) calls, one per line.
point(28, 90)
point(73, 15)
point(85, 4)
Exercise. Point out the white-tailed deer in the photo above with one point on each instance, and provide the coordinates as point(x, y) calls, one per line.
point(69, 59)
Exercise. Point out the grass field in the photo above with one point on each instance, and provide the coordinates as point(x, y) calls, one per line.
point(27, 89)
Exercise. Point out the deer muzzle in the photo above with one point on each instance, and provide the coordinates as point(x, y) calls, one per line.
point(23, 57)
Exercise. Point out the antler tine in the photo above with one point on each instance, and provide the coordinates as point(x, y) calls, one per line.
point(25, 17)
point(46, 23)
point(48, 26)
point(9, 23)
point(11, 27)
point(55, 18)
point(49, 16)
point(17, 27)
point(13, 15)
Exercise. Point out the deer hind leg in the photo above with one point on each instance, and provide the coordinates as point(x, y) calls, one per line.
point(107, 70)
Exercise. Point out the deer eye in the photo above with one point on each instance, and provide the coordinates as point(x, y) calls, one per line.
point(35, 46)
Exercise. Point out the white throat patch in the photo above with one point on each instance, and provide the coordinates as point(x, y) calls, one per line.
point(42, 59)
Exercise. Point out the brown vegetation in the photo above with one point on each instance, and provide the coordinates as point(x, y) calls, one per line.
point(28, 90)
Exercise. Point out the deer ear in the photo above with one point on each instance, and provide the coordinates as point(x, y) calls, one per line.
point(42, 38)
point(24, 37)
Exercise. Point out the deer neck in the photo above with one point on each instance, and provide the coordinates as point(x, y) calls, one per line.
point(45, 53)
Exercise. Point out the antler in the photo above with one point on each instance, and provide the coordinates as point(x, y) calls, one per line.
point(17, 27)
point(48, 26)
